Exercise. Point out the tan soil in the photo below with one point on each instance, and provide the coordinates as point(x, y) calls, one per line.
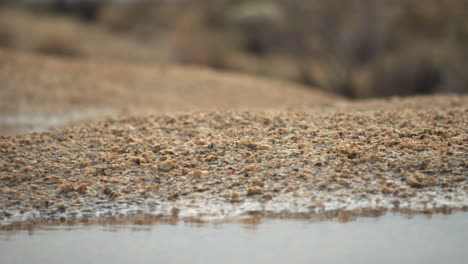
point(44, 87)
point(228, 163)
point(43, 84)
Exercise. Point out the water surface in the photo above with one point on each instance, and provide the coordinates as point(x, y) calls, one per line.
point(389, 239)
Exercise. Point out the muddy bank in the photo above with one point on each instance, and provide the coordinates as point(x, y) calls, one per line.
point(229, 163)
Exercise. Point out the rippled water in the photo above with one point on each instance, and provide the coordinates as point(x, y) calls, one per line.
point(390, 239)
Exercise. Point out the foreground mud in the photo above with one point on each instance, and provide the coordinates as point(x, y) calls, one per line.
point(406, 154)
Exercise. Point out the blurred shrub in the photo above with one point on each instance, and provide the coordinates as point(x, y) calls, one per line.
point(86, 10)
point(58, 46)
point(405, 75)
point(6, 36)
point(357, 48)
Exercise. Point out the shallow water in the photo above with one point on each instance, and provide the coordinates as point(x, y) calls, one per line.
point(390, 239)
point(18, 123)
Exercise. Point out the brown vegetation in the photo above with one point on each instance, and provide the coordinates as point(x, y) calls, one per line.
point(358, 48)
point(62, 36)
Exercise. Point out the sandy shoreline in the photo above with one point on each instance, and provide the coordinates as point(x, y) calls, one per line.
point(228, 163)
point(200, 143)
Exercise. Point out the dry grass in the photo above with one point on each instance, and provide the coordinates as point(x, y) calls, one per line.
point(62, 36)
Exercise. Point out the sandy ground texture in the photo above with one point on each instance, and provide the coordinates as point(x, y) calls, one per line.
point(47, 92)
point(400, 153)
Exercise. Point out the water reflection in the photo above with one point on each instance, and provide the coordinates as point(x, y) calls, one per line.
point(250, 220)
point(276, 238)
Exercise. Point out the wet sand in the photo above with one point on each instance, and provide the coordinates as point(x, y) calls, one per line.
point(228, 163)
point(199, 143)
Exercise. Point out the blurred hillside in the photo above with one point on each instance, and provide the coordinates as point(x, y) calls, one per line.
point(356, 48)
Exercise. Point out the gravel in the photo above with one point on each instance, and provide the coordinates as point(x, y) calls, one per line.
point(378, 154)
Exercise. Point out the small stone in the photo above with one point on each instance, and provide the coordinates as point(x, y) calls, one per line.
point(149, 155)
point(82, 188)
point(7, 213)
point(252, 167)
point(459, 178)
point(200, 142)
point(167, 165)
point(62, 207)
point(211, 158)
point(268, 196)
point(254, 191)
point(66, 188)
point(257, 182)
point(173, 194)
point(319, 203)
point(195, 174)
point(175, 211)
point(387, 190)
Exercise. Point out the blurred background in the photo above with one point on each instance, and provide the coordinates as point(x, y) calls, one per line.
point(355, 48)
